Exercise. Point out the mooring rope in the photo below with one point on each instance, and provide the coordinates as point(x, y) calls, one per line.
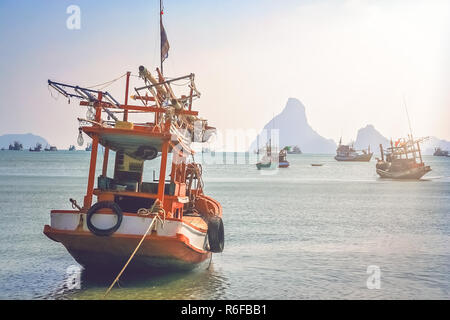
point(156, 217)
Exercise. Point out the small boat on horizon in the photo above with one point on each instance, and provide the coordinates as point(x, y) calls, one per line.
point(72, 148)
point(16, 146)
point(348, 153)
point(51, 148)
point(88, 147)
point(440, 153)
point(282, 159)
point(37, 148)
point(271, 158)
point(294, 150)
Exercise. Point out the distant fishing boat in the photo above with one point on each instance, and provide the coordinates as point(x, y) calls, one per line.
point(270, 158)
point(348, 153)
point(403, 160)
point(51, 148)
point(294, 150)
point(157, 224)
point(16, 146)
point(440, 153)
point(72, 148)
point(266, 160)
point(89, 147)
point(37, 148)
point(316, 164)
point(282, 161)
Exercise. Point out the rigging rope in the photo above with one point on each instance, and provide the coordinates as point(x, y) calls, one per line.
point(107, 83)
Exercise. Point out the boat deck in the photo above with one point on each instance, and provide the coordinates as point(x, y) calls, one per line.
point(196, 221)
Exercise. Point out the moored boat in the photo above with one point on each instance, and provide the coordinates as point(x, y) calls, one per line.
point(37, 148)
point(282, 159)
point(267, 160)
point(402, 160)
point(440, 153)
point(16, 146)
point(294, 150)
point(348, 153)
point(170, 224)
point(51, 148)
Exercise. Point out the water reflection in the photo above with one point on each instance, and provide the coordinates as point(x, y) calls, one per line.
point(200, 283)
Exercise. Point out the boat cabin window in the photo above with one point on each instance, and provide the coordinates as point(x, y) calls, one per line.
point(128, 175)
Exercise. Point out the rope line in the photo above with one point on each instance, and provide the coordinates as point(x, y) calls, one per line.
point(107, 83)
point(155, 218)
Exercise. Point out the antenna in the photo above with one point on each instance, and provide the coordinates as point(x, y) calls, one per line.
point(407, 115)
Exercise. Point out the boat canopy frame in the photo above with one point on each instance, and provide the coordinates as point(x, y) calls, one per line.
point(170, 115)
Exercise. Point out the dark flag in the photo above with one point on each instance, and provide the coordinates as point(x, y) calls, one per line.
point(164, 44)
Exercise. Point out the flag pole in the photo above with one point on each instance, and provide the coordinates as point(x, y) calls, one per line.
point(160, 32)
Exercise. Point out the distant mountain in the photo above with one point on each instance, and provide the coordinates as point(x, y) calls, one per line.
point(369, 136)
point(295, 130)
point(27, 140)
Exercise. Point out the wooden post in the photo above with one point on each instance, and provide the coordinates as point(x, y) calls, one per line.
point(105, 162)
point(162, 171)
point(125, 113)
point(94, 151)
point(420, 153)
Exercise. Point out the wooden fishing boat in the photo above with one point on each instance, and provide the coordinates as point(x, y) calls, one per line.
point(169, 222)
point(348, 153)
point(438, 152)
point(51, 148)
point(37, 148)
point(268, 159)
point(402, 160)
point(282, 161)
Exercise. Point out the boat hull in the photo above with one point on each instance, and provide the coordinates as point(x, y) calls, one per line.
point(176, 245)
point(283, 164)
point(260, 165)
point(413, 173)
point(111, 253)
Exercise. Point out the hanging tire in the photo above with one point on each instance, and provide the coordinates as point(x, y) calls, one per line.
point(104, 205)
point(216, 235)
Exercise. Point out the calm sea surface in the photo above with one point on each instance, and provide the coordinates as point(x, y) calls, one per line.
point(301, 233)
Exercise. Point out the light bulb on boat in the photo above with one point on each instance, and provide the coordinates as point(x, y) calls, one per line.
point(80, 139)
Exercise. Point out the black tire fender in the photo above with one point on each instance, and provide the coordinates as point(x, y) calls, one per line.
point(216, 234)
point(102, 205)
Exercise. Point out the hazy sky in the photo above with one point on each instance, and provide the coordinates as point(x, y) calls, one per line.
point(350, 62)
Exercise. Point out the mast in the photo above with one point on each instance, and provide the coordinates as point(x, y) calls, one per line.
point(411, 135)
point(160, 33)
point(407, 115)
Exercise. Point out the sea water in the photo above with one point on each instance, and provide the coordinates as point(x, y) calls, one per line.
point(336, 231)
